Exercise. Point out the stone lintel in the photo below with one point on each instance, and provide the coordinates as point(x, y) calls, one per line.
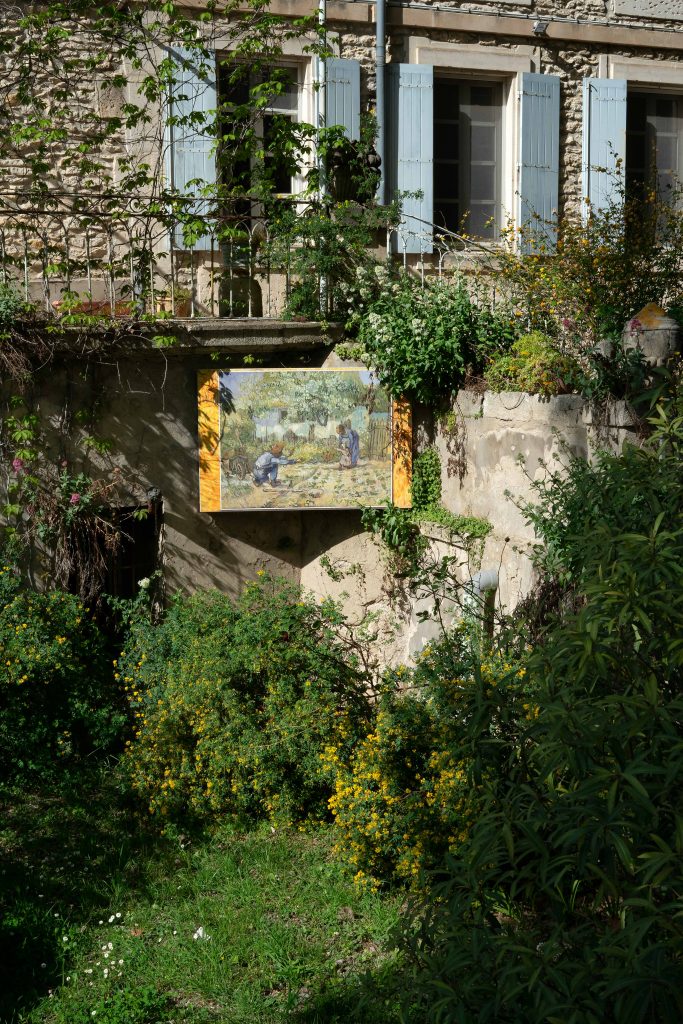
point(580, 32)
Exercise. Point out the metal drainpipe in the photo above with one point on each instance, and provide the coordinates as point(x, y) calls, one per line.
point(380, 62)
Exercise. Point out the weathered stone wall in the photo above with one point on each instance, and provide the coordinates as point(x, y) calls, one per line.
point(493, 443)
point(494, 447)
point(577, 43)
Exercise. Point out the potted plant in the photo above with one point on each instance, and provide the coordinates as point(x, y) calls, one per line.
point(178, 302)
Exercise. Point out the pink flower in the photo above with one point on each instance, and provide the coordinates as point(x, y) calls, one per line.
point(635, 324)
point(17, 465)
point(74, 499)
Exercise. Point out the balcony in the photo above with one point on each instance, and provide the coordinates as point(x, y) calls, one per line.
point(133, 264)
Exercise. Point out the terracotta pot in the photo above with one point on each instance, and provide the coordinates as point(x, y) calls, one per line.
point(181, 308)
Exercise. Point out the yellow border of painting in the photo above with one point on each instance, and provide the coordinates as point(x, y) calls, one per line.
point(402, 452)
point(209, 439)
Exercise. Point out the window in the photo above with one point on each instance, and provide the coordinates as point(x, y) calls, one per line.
point(467, 156)
point(654, 141)
point(240, 161)
point(137, 555)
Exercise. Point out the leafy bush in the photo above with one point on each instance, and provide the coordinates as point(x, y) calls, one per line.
point(234, 704)
point(564, 904)
point(422, 340)
point(11, 305)
point(58, 700)
point(534, 365)
point(425, 486)
point(410, 793)
point(620, 493)
point(606, 265)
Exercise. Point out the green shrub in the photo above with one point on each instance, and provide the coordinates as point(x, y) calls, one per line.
point(233, 705)
point(565, 903)
point(422, 340)
point(57, 700)
point(11, 305)
point(411, 792)
point(534, 365)
point(620, 493)
point(425, 486)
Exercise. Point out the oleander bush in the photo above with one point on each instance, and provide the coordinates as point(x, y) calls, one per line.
point(411, 791)
point(58, 700)
point(234, 703)
point(565, 902)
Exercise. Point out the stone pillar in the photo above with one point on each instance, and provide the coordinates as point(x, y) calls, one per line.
point(654, 334)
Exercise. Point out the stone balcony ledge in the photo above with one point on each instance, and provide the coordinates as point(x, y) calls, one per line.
point(247, 335)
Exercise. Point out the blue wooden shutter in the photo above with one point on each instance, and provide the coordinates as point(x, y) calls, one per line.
point(191, 149)
point(604, 139)
point(539, 163)
point(342, 95)
point(410, 151)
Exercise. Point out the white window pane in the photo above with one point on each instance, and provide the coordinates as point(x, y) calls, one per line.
point(483, 143)
point(667, 152)
point(483, 183)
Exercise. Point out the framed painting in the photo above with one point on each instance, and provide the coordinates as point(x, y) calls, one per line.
point(298, 439)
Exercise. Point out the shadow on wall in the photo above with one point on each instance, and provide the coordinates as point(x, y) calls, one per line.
point(148, 410)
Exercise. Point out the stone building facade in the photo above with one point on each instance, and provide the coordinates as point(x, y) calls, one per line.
point(493, 111)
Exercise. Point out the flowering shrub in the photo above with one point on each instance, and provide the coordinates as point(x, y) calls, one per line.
point(605, 266)
point(534, 365)
point(57, 699)
point(559, 908)
point(232, 705)
point(421, 341)
point(410, 793)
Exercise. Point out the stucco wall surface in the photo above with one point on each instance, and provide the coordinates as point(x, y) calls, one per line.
point(492, 444)
point(497, 445)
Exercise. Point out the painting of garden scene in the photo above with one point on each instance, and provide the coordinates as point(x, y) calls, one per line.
point(303, 439)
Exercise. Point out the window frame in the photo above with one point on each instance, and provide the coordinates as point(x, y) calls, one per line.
point(634, 89)
point(487, 64)
point(464, 189)
point(302, 71)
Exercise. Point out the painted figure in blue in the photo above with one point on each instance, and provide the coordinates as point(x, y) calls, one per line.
point(267, 465)
point(349, 442)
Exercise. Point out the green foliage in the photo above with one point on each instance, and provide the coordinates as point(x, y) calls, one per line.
point(534, 365)
point(397, 529)
point(423, 339)
point(11, 305)
point(280, 917)
point(233, 704)
point(58, 702)
point(325, 249)
point(425, 486)
point(127, 1005)
point(606, 265)
point(579, 498)
point(401, 531)
point(564, 904)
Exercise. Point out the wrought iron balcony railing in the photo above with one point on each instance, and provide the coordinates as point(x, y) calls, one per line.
point(136, 264)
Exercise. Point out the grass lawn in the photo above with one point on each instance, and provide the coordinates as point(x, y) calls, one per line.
point(103, 920)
